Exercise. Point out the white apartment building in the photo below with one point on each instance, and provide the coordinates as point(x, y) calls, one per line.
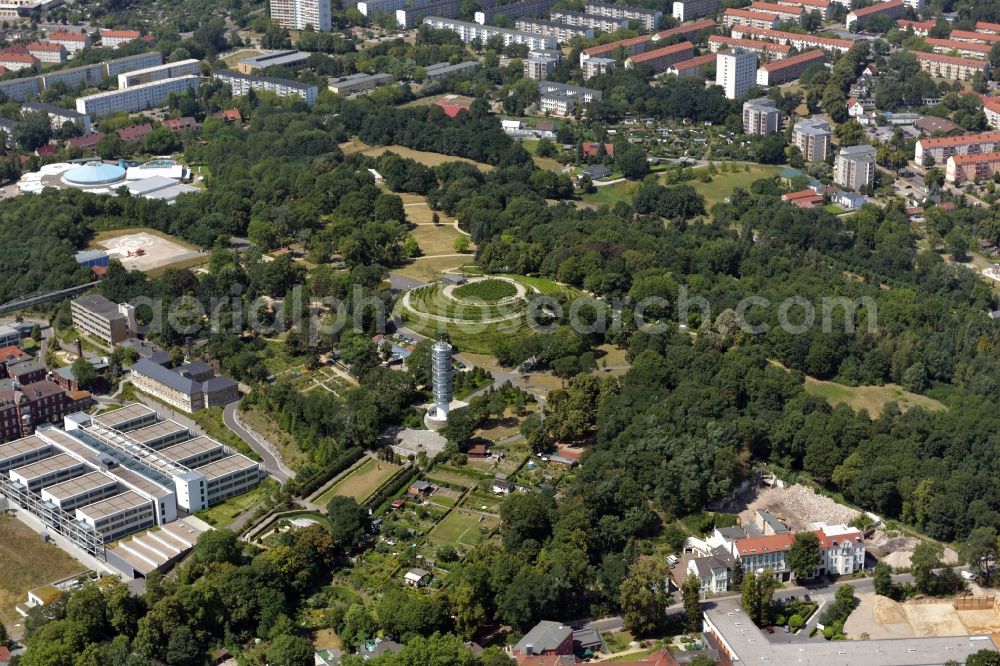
point(470, 32)
point(562, 100)
point(736, 72)
point(688, 10)
point(59, 116)
point(761, 117)
point(95, 316)
point(137, 98)
point(297, 14)
point(648, 18)
point(597, 66)
point(73, 42)
point(244, 83)
point(813, 139)
point(842, 549)
point(115, 38)
point(593, 21)
point(539, 66)
point(16, 61)
point(563, 32)
point(854, 167)
point(939, 149)
point(170, 70)
point(48, 52)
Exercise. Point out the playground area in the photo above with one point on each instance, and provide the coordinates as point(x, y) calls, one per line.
point(146, 250)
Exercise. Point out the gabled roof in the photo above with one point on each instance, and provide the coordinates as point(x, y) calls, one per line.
point(809, 56)
point(761, 545)
point(544, 637)
point(877, 8)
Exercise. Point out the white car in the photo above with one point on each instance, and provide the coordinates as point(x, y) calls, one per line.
point(968, 575)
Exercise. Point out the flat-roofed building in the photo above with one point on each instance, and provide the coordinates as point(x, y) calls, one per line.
point(858, 18)
point(967, 168)
point(191, 66)
point(647, 18)
point(112, 68)
point(563, 32)
point(788, 69)
point(470, 32)
point(766, 51)
point(410, 17)
point(136, 98)
point(242, 84)
point(596, 66)
point(801, 41)
point(24, 451)
point(160, 434)
point(583, 20)
point(696, 67)
point(19, 90)
point(563, 100)
point(761, 116)
point(733, 17)
point(195, 452)
point(735, 72)
point(443, 70)
point(47, 471)
point(59, 116)
point(513, 10)
point(95, 316)
point(660, 59)
point(687, 10)
point(358, 83)
point(854, 167)
point(290, 59)
point(118, 516)
point(129, 417)
point(84, 76)
point(812, 138)
point(81, 491)
point(300, 14)
point(951, 67)
point(228, 477)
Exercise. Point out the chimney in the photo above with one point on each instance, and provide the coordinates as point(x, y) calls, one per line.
point(79, 348)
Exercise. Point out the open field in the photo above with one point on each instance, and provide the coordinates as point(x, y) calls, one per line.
point(435, 239)
point(429, 269)
point(871, 399)
point(462, 527)
point(25, 563)
point(240, 55)
point(424, 157)
point(881, 617)
point(418, 212)
point(362, 482)
point(609, 195)
point(223, 515)
point(723, 184)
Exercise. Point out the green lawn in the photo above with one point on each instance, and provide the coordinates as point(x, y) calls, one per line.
point(223, 515)
point(870, 398)
point(835, 209)
point(723, 184)
point(460, 528)
point(612, 194)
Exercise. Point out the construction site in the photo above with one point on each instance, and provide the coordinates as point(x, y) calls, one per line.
point(879, 617)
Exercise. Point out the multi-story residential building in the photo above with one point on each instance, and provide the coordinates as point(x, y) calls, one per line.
point(48, 52)
point(410, 17)
point(936, 151)
point(181, 388)
point(761, 116)
point(854, 167)
point(563, 32)
point(443, 70)
point(593, 21)
point(714, 570)
point(964, 168)
point(813, 138)
point(85, 76)
point(788, 69)
point(962, 49)
point(470, 32)
point(514, 10)
point(137, 98)
point(688, 10)
point(689, 31)
point(803, 42)
point(60, 116)
point(597, 66)
point(95, 316)
point(857, 18)
point(660, 59)
point(627, 47)
point(733, 17)
point(766, 51)
point(358, 83)
point(242, 84)
point(842, 549)
point(115, 38)
point(15, 61)
point(821, 6)
point(19, 90)
point(112, 68)
point(784, 12)
point(73, 42)
point(290, 59)
point(991, 107)
point(735, 72)
point(978, 37)
point(298, 14)
point(693, 68)
point(540, 64)
point(647, 18)
point(563, 100)
point(920, 28)
point(26, 406)
point(988, 28)
point(170, 70)
point(372, 7)
point(765, 554)
point(952, 67)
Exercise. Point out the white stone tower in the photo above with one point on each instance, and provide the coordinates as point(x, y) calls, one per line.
point(441, 377)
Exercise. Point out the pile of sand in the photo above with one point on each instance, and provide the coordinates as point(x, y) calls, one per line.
point(887, 611)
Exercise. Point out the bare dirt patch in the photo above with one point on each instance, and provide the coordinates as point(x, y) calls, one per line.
point(896, 549)
point(797, 506)
point(880, 617)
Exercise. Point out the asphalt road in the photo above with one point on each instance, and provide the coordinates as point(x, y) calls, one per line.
point(271, 462)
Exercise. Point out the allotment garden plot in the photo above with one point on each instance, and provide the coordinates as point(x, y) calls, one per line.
point(361, 481)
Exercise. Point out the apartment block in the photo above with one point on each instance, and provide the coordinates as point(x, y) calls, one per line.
point(60, 116)
point(784, 12)
point(734, 17)
point(562, 32)
point(290, 59)
point(821, 6)
point(937, 151)
point(976, 37)
point(788, 69)
point(813, 138)
point(372, 7)
point(891, 8)
point(693, 67)
point(539, 65)
point(735, 72)
point(19, 90)
point(95, 316)
point(358, 83)
point(73, 42)
point(803, 42)
point(15, 61)
point(649, 19)
point(951, 67)
point(991, 107)
point(660, 59)
point(242, 84)
point(534, 8)
point(48, 52)
point(179, 389)
point(920, 28)
point(689, 31)
point(170, 70)
point(965, 168)
point(854, 167)
point(761, 117)
point(411, 17)
point(470, 32)
point(766, 51)
point(115, 38)
point(988, 28)
point(299, 14)
point(112, 68)
point(597, 66)
point(628, 47)
point(962, 49)
point(136, 98)
point(593, 21)
point(688, 10)
point(563, 100)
